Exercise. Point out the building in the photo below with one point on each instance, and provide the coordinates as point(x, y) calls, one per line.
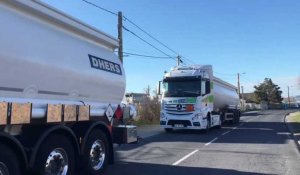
point(136, 98)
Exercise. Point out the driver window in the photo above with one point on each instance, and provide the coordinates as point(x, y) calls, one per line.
point(205, 87)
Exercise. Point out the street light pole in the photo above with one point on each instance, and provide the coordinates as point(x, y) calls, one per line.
point(239, 88)
point(289, 100)
point(243, 102)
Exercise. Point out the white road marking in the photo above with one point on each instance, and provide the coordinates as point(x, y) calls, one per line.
point(226, 133)
point(234, 128)
point(211, 141)
point(185, 157)
point(252, 119)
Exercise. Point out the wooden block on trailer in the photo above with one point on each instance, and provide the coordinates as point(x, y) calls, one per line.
point(3, 113)
point(84, 113)
point(54, 113)
point(70, 113)
point(20, 113)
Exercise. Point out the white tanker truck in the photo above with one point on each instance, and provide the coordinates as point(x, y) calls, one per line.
point(192, 98)
point(61, 86)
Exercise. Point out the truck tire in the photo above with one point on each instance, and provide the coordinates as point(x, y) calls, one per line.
point(219, 126)
point(169, 130)
point(56, 156)
point(236, 118)
point(96, 153)
point(208, 126)
point(9, 162)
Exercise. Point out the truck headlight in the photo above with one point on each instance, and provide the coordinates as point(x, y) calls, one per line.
point(198, 116)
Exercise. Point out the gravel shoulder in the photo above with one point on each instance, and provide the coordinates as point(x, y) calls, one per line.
point(293, 123)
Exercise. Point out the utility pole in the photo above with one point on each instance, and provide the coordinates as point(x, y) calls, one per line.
point(243, 98)
point(178, 60)
point(289, 96)
point(120, 36)
point(239, 88)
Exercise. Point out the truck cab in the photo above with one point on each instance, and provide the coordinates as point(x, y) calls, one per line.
point(192, 98)
point(187, 99)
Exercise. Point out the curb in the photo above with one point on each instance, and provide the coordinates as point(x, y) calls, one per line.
point(293, 136)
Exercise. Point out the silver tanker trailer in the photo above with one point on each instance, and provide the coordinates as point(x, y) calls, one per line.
point(61, 86)
point(192, 98)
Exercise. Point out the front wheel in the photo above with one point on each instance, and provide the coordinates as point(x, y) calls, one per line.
point(56, 156)
point(9, 163)
point(96, 153)
point(208, 125)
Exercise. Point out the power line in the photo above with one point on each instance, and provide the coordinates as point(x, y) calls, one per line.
point(151, 36)
point(148, 34)
point(186, 59)
point(104, 9)
point(145, 32)
point(147, 42)
point(146, 56)
point(133, 23)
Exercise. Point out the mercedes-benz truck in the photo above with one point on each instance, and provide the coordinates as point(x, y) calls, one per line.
point(193, 98)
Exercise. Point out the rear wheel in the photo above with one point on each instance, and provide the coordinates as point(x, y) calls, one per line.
point(96, 153)
point(169, 130)
point(219, 123)
point(236, 117)
point(9, 163)
point(56, 156)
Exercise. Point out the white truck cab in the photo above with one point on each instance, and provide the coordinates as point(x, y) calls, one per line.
point(192, 98)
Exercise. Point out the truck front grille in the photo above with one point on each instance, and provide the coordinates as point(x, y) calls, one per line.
point(177, 109)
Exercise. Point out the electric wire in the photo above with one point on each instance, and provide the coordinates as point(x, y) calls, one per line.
point(144, 31)
point(148, 34)
point(126, 29)
point(146, 56)
point(99, 7)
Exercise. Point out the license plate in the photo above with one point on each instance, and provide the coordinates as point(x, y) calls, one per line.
point(179, 125)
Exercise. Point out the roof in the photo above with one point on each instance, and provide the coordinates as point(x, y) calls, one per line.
point(196, 70)
point(58, 18)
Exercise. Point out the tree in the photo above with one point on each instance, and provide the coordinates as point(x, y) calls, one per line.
point(147, 90)
point(268, 92)
point(149, 111)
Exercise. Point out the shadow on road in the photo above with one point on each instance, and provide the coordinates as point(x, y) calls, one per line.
point(253, 132)
point(156, 169)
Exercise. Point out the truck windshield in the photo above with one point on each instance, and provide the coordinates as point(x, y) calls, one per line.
point(182, 88)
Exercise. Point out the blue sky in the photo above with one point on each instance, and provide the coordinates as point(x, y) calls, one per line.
point(259, 37)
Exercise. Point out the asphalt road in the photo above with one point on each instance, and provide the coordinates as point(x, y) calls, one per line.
point(260, 144)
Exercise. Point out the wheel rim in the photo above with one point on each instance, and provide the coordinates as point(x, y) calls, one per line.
point(3, 169)
point(57, 163)
point(97, 155)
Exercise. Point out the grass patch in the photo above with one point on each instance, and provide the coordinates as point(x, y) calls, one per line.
point(294, 120)
point(142, 122)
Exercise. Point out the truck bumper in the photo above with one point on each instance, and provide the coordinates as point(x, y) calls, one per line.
point(125, 134)
point(182, 122)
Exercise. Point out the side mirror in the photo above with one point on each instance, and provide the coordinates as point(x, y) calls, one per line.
point(158, 88)
point(207, 87)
